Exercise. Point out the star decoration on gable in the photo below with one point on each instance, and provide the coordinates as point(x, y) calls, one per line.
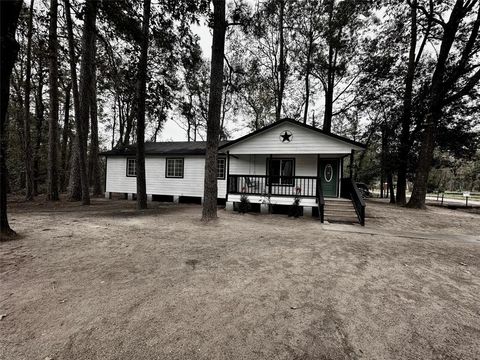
point(286, 136)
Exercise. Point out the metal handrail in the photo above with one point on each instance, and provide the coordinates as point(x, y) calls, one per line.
point(349, 188)
point(320, 201)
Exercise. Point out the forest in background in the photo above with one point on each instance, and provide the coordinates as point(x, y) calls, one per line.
point(400, 76)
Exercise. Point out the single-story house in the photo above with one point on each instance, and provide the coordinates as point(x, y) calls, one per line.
point(272, 166)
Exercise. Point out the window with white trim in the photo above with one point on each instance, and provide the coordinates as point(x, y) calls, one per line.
point(221, 168)
point(174, 168)
point(131, 167)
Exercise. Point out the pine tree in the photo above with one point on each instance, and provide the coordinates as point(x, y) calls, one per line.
point(9, 12)
point(52, 167)
point(141, 95)
point(209, 211)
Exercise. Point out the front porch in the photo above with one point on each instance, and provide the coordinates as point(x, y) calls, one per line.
point(288, 160)
point(274, 190)
point(270, 191)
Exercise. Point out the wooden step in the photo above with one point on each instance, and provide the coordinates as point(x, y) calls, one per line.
point(343, 210)
point(340, 210)
point(341, 215)
point(335, 206)
point(343, 220)
point(338, 202)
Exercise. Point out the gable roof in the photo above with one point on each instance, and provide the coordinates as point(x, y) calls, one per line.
point(176, 148)
point(163, 148)
point(292, 121)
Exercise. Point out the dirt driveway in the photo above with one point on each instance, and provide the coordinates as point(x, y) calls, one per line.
point(107, 282)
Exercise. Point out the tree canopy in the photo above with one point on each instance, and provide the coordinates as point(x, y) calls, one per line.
point(402, 77)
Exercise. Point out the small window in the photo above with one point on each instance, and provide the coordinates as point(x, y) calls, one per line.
point(174, 168)
point(131, 167)
point(221, 168)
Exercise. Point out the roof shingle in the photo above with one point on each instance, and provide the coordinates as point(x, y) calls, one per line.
point(163, 148)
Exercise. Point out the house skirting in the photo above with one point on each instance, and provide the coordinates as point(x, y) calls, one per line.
point(274, 200)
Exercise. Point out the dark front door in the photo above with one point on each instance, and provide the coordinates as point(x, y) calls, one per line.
point(328, 173)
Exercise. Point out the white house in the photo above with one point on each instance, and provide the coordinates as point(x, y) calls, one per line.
point(271, 166)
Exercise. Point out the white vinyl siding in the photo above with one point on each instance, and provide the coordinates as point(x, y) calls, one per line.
point(305, 165)
point(304, 141)
point(116, 179)
point(190, 185)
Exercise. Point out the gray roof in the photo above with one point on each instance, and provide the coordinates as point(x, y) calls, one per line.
point(173, 148)
point(163, 148)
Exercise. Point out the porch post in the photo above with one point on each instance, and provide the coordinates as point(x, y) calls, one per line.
point(341, 177)
point(351, 164)
point(341, 168)
point(270, 175)
point(228, 175)
point(318, 176)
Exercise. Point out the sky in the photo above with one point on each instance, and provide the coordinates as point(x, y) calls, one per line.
point(171, 131)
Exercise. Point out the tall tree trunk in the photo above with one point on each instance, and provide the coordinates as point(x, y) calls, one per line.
point(404, 149)
point(438, 92)
point(222, 134)
point(52, 167)
point(307, 74)
point(209, 211)
point(9, 12)
point(88, 45)
point(65, 136)
point(29, 181)
point(160, 123)
point(141, 96)
point(114, 126)
point(121, 121)
point(383, 162)
point(417, 199)
point(39, 121)
point(129, 126)
point(94, 172)
point(74, 183)
point(307, 96)
point(327, 120)
point(390, 187)
point(281, 70)
point(189, 124)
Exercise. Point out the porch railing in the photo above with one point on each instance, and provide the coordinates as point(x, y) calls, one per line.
point(350, 191)
point(302, 186)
